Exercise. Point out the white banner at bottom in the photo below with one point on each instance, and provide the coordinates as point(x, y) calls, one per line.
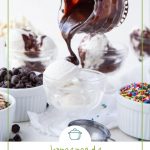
point(79, 146)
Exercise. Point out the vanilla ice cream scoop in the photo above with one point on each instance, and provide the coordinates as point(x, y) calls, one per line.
point(94, 43)
point(97, 53)
point(27, 40)
point(61, 70)
point(60, 80)
point(73, 100)
point(71, 88)
point(30, 49)
point(91, 49)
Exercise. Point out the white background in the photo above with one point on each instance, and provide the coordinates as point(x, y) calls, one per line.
point(46, 146)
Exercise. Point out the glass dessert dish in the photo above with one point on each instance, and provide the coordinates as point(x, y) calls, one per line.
point(34, 62)
point(113, 58)
point(97, 53)
point(78, 94)
point(140, 41)
point(31, 49)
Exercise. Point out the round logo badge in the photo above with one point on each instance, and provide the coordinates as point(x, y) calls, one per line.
point(74, 134)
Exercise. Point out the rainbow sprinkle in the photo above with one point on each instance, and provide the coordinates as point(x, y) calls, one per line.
point(139, 92)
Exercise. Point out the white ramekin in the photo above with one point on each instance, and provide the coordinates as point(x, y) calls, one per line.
point(30, 99)
point(131, 120)
point(7, 118)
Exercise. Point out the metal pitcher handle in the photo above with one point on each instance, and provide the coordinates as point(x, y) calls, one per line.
point(126, 9)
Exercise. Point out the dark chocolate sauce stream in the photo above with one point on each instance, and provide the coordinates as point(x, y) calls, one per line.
point(75, 16)
point(89, 16)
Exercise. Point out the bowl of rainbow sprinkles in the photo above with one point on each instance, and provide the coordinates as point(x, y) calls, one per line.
point(133, 106)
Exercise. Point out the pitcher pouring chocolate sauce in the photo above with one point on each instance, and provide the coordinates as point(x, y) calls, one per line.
point(89, 16)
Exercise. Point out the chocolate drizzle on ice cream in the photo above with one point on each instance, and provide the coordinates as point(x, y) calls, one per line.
point(141, 46)
point(32, 50)
point(97, 53)
point(32, 44)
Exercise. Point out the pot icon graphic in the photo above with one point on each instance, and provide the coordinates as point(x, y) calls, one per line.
point(75, 134)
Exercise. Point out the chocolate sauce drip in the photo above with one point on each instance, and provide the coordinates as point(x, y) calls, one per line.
point(89, 16)
point(32, 45)
point(42, 39)
point(30, 42)
point(75, 15)
point(141, 46)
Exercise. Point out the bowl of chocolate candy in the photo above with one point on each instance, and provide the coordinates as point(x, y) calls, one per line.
point(133, 106)
point(140, 41)
point(7, 112)
point(96, 52)
point(27, 88)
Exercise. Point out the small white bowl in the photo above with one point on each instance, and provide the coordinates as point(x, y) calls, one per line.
point(7, 118)
point(130, 118)
point(29, 99)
